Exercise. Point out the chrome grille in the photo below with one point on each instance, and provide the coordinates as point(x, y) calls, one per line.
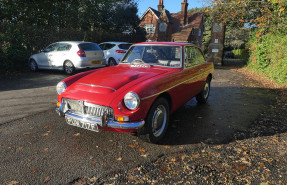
point(81, 107)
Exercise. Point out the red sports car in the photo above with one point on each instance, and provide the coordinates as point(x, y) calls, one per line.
point(138, 95)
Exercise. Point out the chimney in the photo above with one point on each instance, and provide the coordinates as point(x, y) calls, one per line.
point(183, 19)
point(160, 5)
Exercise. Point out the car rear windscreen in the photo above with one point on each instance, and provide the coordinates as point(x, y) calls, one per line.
point(89, 47)
point(125, 46)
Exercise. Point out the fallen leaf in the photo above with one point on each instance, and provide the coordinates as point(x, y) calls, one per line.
point(13, 182)
point(76, 135)
point(46, 134)
point(132, 146)
point(93, 179)
point(166, 146)
point(143, 155)
point(141, 149)
point(20, 148)
point(93, 163)
point(26, 133)
point(218, 147)
point(262, 165)
point(119, 159)
point(46, 149)
point(33, 170)
point(48, 126)
point(241, 168)
point(47, 179)
point(275, 140)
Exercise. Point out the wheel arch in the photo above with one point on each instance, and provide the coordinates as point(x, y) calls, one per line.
point(166, 96)
point(210, 76)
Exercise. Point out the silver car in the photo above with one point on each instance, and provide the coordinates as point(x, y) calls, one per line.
point(114, 51)
point(68, 56)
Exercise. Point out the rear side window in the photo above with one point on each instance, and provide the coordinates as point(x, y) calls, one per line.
point(109, 46)
point(190, 57)
point(89, 47)
point(200, 57)
point(125, 46)
point(64, 47)
point(51, 47)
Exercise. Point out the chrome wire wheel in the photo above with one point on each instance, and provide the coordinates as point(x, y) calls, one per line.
point(69, 67)
point(206, 89)
point(204, 94)
point(159, 121)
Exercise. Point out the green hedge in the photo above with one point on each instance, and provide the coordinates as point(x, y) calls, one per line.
point(268, 55)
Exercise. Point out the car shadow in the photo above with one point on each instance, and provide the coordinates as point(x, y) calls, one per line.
point(230, 114)
point(29, 80)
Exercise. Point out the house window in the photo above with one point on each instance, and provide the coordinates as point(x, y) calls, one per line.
point(199, 32)
point(150, 28)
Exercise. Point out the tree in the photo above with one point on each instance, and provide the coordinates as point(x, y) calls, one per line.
point(28, 26)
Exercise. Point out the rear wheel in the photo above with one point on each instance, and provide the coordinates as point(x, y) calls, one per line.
point(33, 65)
point(112, 62)
point(156, 122)
point(204, 94)
point(69, 67)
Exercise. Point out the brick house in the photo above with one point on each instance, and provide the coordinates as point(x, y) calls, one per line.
point(161, 25)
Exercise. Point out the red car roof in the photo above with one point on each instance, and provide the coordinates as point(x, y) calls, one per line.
point(165, 43)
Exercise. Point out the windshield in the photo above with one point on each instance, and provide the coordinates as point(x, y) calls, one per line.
point(168, 56)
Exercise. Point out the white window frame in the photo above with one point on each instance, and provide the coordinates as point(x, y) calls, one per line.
point(150, 28)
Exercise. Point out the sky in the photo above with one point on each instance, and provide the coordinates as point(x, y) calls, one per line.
point(173, 6)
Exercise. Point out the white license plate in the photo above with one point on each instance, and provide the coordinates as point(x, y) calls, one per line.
point(82, 124)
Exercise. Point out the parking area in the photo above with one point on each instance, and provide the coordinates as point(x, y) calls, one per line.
point(37, 146)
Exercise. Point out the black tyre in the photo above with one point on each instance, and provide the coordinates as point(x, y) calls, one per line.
point(202, 97)
point(69, 67)
point(33, 65)
point(112, 62)
point(156, 122)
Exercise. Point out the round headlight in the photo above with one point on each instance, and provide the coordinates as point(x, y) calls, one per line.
point(61, 87)
point(132, 100)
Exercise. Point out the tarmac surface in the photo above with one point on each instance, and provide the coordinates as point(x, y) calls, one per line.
point(38, 147)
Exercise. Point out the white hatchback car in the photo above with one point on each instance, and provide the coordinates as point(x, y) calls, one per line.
point(68, 56)
point(114, 51)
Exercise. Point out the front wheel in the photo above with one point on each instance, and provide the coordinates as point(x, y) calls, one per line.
point(156, 122)
point(204, 94)
point(33, 65)
point(69, 67)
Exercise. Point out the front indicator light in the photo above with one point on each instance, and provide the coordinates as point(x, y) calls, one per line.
point(58, 104)
point(122, 118)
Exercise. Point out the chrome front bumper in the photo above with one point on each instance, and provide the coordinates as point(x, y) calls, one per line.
point(101, 121)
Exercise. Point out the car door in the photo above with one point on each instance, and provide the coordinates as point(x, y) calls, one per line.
point(191, 72)
point(58, 57)
point(187, 78)
point(202, 67)
point(44, 61)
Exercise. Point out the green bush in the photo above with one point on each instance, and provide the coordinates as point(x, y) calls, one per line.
point(269, 55)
